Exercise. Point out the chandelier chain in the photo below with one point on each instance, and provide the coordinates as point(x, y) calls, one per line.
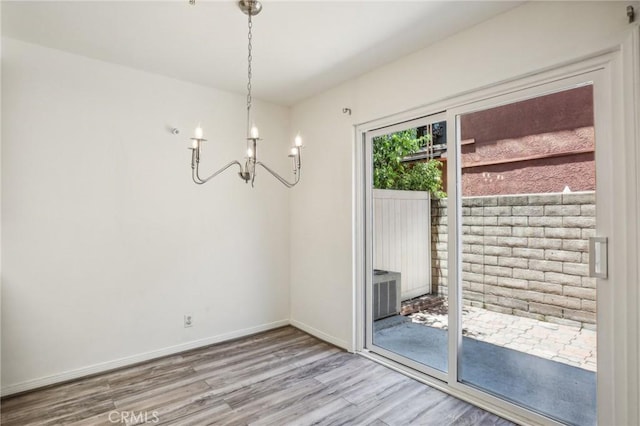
point(249, 58)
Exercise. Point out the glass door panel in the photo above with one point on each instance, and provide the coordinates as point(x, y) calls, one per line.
point(528, 189)
point(407, 260)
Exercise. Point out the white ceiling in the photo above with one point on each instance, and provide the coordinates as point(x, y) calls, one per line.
point(300, 47)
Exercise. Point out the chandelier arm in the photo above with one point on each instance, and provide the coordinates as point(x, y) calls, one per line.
point(194, 176)
point(197, 179)
point(280, 178)
point(194, 161)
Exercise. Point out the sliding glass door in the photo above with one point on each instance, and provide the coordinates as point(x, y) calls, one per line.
point(486, 249)
point(527, 174)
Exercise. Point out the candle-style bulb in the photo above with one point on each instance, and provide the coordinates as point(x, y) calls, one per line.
point(254, 132)
point(298, 140)
point(194, 144)
point(249, 152)
point(199, 133)
point(294, 151)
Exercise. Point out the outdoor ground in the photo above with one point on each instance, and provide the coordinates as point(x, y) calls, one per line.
point(570, 345)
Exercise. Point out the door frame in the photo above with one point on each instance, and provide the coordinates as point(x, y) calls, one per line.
point(618, 394)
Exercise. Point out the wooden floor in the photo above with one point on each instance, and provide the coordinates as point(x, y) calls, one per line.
point(280, 377)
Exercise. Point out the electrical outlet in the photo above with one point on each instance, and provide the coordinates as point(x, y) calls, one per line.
point(188, 321)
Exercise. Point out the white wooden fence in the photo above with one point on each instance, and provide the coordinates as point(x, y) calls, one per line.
point(401, 238)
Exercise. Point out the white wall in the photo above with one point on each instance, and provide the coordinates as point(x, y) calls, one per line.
point(534, 36)
point(106, 241)
point(321, 220)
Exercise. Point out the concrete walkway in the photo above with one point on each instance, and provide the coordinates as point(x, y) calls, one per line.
point(570, 345)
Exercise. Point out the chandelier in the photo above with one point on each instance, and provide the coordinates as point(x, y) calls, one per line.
point(248, 170)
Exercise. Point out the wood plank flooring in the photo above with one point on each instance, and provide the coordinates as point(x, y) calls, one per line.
point(280, 377)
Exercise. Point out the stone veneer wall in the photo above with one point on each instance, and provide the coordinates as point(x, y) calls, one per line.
point(524, 255)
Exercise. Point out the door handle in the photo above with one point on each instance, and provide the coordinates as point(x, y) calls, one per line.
point(598, 248)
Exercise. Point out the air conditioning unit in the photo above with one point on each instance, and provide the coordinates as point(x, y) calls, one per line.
point(386, 293)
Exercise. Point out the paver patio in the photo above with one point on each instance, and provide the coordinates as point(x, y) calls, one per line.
point(562, 343)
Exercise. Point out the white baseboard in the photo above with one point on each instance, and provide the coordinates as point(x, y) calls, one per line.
point(135, 359)
point(321, 335)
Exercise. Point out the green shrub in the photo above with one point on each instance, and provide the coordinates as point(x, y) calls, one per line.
point(390, 172)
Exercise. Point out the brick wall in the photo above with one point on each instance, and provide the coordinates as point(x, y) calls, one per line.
point(524, 255)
